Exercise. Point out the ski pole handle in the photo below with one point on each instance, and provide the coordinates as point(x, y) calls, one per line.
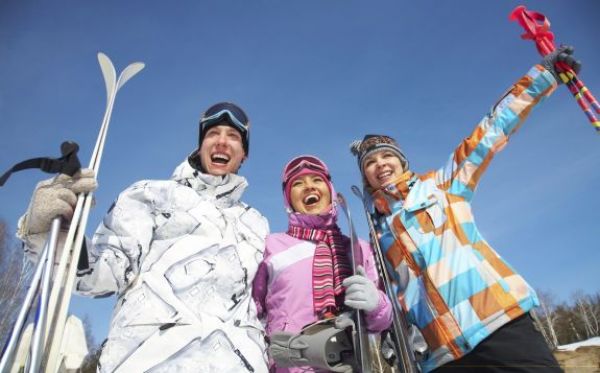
point(537, 28)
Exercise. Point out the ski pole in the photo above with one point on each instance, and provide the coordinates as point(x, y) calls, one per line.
point(407, 361)
point(15, 336)
point(537, 28)
point(39, 340)
point(67, 164)
point(61, 308)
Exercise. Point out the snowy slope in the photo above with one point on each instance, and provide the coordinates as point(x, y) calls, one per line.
point(573, 346)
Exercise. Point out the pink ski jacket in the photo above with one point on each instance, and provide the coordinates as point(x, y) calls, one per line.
point(282, 288)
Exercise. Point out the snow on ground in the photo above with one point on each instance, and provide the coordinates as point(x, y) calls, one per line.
point(573, 346)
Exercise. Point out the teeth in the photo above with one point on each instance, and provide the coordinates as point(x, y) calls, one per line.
point(384, 175)
point(220, 158)
point(311, 198)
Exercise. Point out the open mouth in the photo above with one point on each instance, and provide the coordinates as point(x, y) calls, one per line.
point(311, 199)
point(384, 175)
point(219, 158)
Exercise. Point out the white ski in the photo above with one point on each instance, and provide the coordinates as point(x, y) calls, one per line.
point(60, 297)
point(360, 338)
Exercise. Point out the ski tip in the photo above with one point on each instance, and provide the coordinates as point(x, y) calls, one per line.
point(133, 68)
point(356, 191)
point(103, 57)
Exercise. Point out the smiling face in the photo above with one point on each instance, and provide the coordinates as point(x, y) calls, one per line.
point(222, 150)
point(310, 194)
point(381, 168)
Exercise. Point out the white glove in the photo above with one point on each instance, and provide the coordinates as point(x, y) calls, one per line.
point(361, 293)
point(55, 197)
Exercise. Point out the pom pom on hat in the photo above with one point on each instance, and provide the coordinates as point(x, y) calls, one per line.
point(355, 147)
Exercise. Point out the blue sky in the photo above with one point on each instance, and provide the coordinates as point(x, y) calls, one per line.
point(313, 75)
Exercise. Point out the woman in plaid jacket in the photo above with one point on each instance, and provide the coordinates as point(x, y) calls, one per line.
point(469, 303)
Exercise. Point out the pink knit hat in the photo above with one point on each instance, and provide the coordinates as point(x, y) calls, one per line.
point(300, 166)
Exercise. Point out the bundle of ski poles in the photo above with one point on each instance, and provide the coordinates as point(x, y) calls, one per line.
point(537, 28)
point(53, 286)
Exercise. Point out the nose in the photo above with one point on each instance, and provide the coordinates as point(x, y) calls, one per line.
point(379, 162)
point(222, 138)
point(308, 185)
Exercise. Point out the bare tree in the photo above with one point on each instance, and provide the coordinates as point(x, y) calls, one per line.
point(574, 329)
point(585, 313)
point(12, 280)
point(548, 318)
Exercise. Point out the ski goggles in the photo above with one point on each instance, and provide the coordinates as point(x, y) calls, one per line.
point(304, 162)
point(233, 114)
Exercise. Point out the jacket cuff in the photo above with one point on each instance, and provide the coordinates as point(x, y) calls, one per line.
point(381, 317)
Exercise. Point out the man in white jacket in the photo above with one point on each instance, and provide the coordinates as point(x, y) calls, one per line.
point(180, 255)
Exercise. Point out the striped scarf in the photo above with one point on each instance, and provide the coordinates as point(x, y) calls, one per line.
point(331, 266)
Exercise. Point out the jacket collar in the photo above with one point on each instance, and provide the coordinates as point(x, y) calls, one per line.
point(396, 191)
point(226, 190)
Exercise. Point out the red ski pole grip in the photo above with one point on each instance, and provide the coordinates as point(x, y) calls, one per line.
point(537, 28)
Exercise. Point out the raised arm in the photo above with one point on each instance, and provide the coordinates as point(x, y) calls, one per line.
point(466, 164)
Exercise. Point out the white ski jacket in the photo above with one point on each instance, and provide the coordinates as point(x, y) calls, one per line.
point(181, 255)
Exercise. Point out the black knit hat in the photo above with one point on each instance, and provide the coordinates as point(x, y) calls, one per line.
point(374, 143)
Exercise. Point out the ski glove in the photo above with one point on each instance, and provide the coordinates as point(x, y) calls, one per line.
point(55, 197)
point(361, 293)
point(561, 54)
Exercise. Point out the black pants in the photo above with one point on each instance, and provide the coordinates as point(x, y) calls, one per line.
point(516, 347)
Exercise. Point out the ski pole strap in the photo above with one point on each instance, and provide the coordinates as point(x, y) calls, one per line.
point(68, 164)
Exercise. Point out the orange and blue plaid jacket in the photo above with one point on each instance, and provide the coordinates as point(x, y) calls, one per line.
point(452, 285)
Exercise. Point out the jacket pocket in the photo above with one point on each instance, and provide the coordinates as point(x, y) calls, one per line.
point(433, 215)
point(428, 212)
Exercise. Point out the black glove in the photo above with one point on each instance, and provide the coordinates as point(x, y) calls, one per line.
point(561, 54)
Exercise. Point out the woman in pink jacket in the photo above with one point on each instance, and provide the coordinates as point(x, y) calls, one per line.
point(306, 273)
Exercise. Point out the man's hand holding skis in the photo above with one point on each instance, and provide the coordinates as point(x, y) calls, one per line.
point(52, 198)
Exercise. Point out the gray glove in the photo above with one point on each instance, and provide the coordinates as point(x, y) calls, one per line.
point(361, 293)
point(561, 54)
point(55, 197)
